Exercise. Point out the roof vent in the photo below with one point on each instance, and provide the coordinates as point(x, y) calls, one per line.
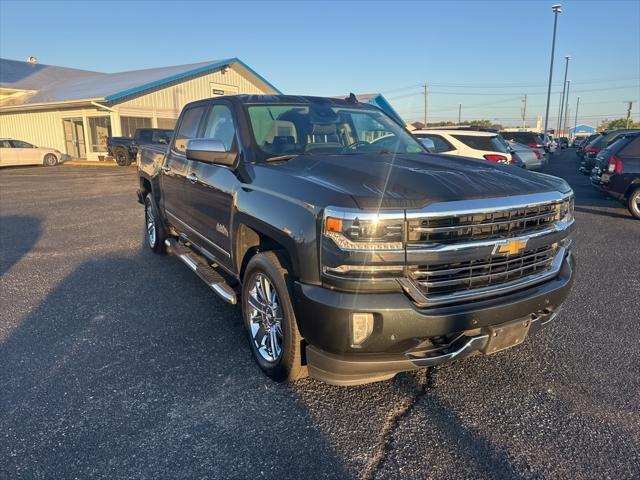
point(32, 60)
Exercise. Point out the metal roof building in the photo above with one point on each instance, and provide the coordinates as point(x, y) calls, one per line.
point(75, 110)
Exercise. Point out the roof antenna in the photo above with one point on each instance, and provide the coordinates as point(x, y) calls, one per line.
point(352, 98)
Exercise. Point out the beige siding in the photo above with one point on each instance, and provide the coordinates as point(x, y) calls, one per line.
point(168, 101)
point(44, 127)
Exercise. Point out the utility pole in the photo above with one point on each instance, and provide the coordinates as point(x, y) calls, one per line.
point(524, 112)
point(566, 108)
point(575, 122)
point(459, 114)
point(630, 103)
point(426, 92)
point(564, 86)
point(556, 10)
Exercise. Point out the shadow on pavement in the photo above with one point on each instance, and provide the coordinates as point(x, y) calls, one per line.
point(18, 235)
point(131, 368)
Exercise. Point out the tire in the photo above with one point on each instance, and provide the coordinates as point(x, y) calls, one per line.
point(633, 202)
point(155, 232)
point(50, 160)
point(123, 159)
point(285, 365)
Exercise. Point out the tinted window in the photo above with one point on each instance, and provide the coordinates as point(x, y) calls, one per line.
point(522, 137)
point(440, 145)
point(632, 149)
point(131, 124)
point(5, 144)
point(188, 128)
point(161, 136)
point(220, 126)
point(21, 144)
point(478, 142)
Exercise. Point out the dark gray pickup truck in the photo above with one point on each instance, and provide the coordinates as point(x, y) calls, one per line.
point(125, 149)
point(354, 253)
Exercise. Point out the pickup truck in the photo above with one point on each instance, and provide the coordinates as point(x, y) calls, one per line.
point(125, 149)
point(353, 252)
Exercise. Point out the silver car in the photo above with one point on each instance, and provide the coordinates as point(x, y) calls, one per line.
point(531, 158)
point(17, 152)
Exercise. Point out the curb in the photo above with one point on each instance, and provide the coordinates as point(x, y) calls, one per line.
point(75, 163)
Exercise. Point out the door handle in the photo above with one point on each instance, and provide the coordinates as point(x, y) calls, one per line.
point(192, 177)
point(166, 168)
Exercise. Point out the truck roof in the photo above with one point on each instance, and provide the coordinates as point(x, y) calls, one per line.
point(279, 99)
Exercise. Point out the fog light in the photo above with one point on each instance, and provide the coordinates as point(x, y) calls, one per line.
point(361, 327)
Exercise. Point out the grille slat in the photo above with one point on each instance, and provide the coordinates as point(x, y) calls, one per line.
point(471, 227)
point(447, 278)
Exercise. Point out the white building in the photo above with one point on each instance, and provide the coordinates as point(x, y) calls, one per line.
point(75, 111)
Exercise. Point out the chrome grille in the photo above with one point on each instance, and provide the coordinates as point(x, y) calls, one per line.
point(439, 279)
point(468, 227)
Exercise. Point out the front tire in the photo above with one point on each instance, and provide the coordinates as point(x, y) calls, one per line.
point(50, 160)
point(155, 232)
point(633, 203)
point(269, 319)
point(122, 157)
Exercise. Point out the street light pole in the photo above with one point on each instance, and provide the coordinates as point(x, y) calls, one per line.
point(459, 114)
point(564, 86)
point(566, 109)
point(556, 10)
point(575, 122)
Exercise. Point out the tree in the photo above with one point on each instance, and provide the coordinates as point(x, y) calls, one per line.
point(621, 123)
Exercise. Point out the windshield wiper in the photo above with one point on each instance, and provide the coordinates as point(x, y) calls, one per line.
point(284, 158)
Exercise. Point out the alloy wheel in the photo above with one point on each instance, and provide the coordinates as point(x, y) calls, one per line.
point(151, 225)
point(265, 318)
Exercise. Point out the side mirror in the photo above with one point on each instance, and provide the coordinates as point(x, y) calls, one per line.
point(210, 151)
point(428, 143)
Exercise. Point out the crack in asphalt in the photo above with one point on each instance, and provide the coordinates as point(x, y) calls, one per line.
point(416, 384)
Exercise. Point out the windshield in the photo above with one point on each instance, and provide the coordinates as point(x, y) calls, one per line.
point(328, 130)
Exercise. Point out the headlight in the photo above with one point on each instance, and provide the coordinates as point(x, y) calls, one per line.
point(566, 210)
point(352, 230)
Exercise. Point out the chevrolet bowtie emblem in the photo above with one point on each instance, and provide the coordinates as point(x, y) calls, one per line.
point(510, 246)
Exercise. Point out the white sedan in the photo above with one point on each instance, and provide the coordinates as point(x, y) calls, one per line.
point(17, 152)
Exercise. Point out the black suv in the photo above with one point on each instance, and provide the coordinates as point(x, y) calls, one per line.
point(617, 171)
point(354, 253)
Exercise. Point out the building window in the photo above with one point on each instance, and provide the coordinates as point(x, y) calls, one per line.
point(100, 129)
point(131, 124)
point(167, 123)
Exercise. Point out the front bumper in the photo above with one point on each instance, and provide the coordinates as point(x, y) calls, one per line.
point(403, 334)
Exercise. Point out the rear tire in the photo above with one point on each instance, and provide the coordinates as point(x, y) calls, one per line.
point(122, 157)
point(272, 330)
point(155, 232)
point(50, 160)
point(633, 202)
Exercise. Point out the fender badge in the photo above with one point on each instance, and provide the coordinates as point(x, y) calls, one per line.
point(510, 247)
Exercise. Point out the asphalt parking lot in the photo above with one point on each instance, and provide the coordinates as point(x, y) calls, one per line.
point(117, 363)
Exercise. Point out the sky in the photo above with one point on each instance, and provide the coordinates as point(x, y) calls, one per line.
point(484, 56)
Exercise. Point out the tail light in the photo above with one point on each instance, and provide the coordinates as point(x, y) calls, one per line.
point(615, 165)
point(593, 149)
point(535, 145)
point(537, 154)
point(492, 157)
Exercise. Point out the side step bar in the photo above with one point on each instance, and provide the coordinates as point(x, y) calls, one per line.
point(207, 274)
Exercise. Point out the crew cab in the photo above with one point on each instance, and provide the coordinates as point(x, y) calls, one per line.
point(125, 149)
point(353, 252)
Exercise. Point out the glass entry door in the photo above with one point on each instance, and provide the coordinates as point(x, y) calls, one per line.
point(74, 138)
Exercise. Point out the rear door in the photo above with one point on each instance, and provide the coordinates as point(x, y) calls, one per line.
point(173, 178)
point(211, 187)
point(27, 154)
point(8, 154)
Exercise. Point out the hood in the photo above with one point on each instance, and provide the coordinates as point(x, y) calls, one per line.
point(413, 180)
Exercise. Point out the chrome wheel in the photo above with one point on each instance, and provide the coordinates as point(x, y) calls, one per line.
point(265, 318)
point(151, 225)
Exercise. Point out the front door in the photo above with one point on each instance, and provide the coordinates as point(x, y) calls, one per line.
point(175, 170)
point(211, 187)
point(74, 137)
